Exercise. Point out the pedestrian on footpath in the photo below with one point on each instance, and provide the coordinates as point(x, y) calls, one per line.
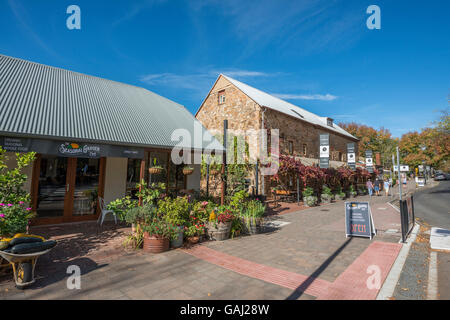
point(377, 187)
point(369, 186)
point(387, 185)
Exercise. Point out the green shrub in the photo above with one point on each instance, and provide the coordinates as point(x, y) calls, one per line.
point(175, 211)
point(308, 192)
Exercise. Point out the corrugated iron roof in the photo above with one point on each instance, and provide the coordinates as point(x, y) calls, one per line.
point(266, 100)
point(49, 102)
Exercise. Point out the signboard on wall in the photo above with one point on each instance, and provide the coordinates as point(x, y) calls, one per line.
point(69, 149)
point(359, 220)
point(324, 151)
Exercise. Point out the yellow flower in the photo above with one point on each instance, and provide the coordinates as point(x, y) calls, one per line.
point(212, 216)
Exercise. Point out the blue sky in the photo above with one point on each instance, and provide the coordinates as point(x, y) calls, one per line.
point(316, 54)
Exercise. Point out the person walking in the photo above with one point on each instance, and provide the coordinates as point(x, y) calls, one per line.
point(377, 187)
point(387, 185)
point(369, 186)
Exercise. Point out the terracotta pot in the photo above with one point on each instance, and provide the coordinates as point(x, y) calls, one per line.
point(155, 244)
point(187, 171)
point(154, 170)
point(193, 240)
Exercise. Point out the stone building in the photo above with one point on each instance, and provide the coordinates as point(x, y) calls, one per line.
point(246, 108)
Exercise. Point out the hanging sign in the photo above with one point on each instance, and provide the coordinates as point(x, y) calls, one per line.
point(324, 151)
point(359, 220)
point(369, 161)
point(351, 156)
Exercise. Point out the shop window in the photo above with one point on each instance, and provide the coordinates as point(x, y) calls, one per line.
point(330, 122)
point(221, 96)
point(133, 175)
point(304, 150)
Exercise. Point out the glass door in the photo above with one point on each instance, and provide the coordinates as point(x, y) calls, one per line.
point(52, 187)
point(67, 189)
point(85, 195)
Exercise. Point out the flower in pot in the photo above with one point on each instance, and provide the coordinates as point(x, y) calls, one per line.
point(187, 170)
point(176, 213)
point(157, 235)
point(309, 199)
point(194, 231)
point(219, 226)
point(155, 168)
point(352, 191)
point(253, 217)
point(340, 195)
point(326, 195)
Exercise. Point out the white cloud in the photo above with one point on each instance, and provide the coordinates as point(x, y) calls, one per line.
point(197, 81)
point(326, 97)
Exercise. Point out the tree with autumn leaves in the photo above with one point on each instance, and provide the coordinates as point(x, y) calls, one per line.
point(379, 140)
point(431, 144)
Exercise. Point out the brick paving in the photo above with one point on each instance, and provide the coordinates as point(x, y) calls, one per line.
point(352, 283)
point(300, 260)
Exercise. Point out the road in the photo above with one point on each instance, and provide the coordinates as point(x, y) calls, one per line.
point(433, 205)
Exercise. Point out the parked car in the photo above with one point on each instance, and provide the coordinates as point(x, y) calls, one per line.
point(442, 176)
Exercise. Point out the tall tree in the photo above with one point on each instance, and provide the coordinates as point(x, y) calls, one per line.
point(370, 138)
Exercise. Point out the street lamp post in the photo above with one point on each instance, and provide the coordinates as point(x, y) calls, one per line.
point(423, 165)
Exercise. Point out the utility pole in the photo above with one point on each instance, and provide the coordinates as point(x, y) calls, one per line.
point(224, 163)
point(399, 177)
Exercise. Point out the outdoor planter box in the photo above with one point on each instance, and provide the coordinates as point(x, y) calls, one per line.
point(155, 244)
point(326, 198)
point(310, 201)
point(219, 232)
point(251, 226)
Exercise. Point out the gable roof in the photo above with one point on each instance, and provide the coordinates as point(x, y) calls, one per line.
point(266, 100)
point(49, 102)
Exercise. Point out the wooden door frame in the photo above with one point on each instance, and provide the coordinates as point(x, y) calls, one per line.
point(68, 200)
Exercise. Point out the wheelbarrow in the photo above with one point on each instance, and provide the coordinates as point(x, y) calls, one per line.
point(23, 266)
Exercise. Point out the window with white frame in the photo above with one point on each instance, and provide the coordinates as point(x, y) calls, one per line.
point(221, 96)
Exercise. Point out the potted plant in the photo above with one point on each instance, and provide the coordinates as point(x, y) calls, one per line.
point(340, 195)
point(326, 195)
point(253, 217)
point(187, 170)
point(194, 231)
point(309, 199)
point(219, 226)
point(352, 191)
point(236, 227)
point(155, 168)
point(157, 235)
point(138, 217)
point(175, 212)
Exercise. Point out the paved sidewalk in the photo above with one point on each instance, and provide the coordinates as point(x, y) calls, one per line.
point(300, 260)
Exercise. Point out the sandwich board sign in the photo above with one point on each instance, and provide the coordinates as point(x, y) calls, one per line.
point(359, 220)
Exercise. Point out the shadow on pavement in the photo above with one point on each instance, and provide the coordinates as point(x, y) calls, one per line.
point(302, 288)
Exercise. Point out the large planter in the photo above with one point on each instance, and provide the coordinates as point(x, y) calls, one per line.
point(339, 197)
point(253, 226)
point(310, 201)
point(178, 242)
point(326, 198)
point(220, 231)
point(155, 244)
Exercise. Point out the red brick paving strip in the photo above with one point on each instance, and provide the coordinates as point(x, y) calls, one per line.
point(351, 284)
point(291, 280)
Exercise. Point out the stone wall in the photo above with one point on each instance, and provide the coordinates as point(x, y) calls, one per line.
point(243, 113)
